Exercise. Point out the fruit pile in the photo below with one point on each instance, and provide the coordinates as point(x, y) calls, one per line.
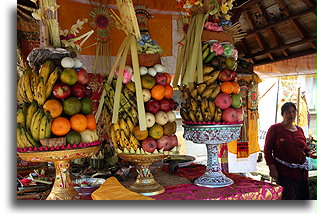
point(159, 137)
point(216, 100)
point(55, 103)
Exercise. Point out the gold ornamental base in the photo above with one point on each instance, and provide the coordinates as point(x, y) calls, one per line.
point(62, 188)
point(145, 183)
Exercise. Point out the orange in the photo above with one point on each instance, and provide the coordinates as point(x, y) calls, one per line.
point(91, 122)
point(138, 134)
point(226, 87)
point(78, 122)
point(158, 92)
point(168, 91)
point(169, 78)
point(236, 88)
point(54, 107)
point(60, 126)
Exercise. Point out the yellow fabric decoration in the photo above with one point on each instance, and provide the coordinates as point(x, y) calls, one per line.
point(111, 189)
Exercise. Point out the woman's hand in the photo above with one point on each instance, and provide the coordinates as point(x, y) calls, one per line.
point(312, 154)
point(273, 172)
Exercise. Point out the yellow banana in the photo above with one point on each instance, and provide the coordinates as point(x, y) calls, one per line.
point(113, 137)
point(18, 94)
point(41, 92)
point(184, 115)
point(207, 116)
point(199, 115)
point(192, 116)
point(218, 114)
point(46, 70)
point(27, 85)
point(50, 82)
point(204, 105)
point(211, 108)
point(24, 139)
point(185, 95)
point(43, 126)
point(130, 124)
point(22, 90)
point(193, 105)
point(19, 140)
point(214, 77)
point(194, 93)
point(215, 92)
point(207, 70)
point(29, 114)
point(201, 87)
point(35, 124)
point(31, 140)
point(124, 126)
point(134, 142)
point(48, 127)
point(36, 81)
point(21, 117)
point(207, 93)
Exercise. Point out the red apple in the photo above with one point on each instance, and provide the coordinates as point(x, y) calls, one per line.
point(164, 142)
point(229, 115)
point(233, 76)
point(153, 106)
point(78, 90)
point(161, 78)
point(88, 91)
point(164, 105)
point(61, 91)
point(174, 141)
point(173, 104)
point(82, 76)
point(149, 144)
point(225, 75)
point(240, 114)
point(223, 101)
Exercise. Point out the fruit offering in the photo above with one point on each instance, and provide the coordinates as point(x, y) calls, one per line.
point(54, 103)
point(159, 137)
point(216, 100)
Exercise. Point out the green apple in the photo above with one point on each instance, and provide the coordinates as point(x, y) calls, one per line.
point(236, 101)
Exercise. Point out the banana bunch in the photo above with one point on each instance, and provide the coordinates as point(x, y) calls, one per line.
point(121, 135)
point(37, 84)
point(127, 104)
point(199, 103)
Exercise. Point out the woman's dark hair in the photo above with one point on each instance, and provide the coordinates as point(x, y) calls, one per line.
point(286, 105)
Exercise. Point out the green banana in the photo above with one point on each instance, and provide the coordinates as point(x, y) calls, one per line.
point(205, 46)
point(31, 140)
point(21, 117)
point(24, 139)
point(29, 114)
point(209, 57)
point(43, 126)
point(48, 127)
point(206, 53)
point(35, 124)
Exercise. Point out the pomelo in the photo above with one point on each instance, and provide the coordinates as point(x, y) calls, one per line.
point(69, 76)
point(73, 137)
point(86, 106)
point(71, 106)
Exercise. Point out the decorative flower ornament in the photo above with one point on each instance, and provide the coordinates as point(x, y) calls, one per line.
point(217, 47)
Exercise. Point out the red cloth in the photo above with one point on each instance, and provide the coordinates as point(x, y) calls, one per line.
point(287, 146)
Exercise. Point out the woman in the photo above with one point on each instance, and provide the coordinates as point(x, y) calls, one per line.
point(285, 153)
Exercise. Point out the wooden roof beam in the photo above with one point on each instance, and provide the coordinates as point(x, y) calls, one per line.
point(245, 50)
point(263, 46)
point(282, 21)
point(310, 3)
point(249, 4)
point(304, 41)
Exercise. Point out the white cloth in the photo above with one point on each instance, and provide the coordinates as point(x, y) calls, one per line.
point(242, 165)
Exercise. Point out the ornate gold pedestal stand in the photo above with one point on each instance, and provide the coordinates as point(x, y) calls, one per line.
point(62, 188)
point(145, 183)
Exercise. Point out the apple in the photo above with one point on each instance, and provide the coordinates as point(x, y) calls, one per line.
point(143, 70)
point(152, 71)
point(236, 101)
point(153, 106)
point(61, 91)
point(229, 115)
point(225, 75)
point(164, 105)
point(82, 76)
point(223, 101)
point(88, 91)
point(150, 119)
point(146, 94)
point(161, 78)
point(233, 76)
point(67, 62)
point(161, 118)
point(240, 114)
point(164, 142)
point(78, 90)
point(173, 141)
point(77, 62)
point(173, 104)
point(171, 116)
point(149, 144)
point(159, 68)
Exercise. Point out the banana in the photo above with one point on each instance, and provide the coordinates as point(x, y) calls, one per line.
point(24, 139)
point(29, 114)
point(211, 108)
point(46, 70)
point(204, 105)
point(193, 105)
point(218, 114)
point(185, 95)
point(199, 115)
point(48, 127)
point(206, 78)
point(184, 115)
point(43, 126)
point(201, 87)
point(209, 58)
point(194, 93)
point(124, 126)
point(191, 87)
point(207, 92)
point(35, 124)
point(134, 142)
point(130, 97)
point(205, 52)
point(31, 140)
point(130, 124)
point(22, 90)
point(207, 70)
point(192, 116)
point(215, 92)
point(113, 137)
point(50, 82)
point(214, 77)
point(207, 116)
point(133, 113)
point(40, 90)
point(21, 117)
point(19, 140)
point(123, 140)
point(205, 46)
point(18, 94)
point(27, 85)
point(36, 81)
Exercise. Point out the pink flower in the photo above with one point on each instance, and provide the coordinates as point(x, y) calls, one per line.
point(213, 26)
point(216, 47)
point(127, 73)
